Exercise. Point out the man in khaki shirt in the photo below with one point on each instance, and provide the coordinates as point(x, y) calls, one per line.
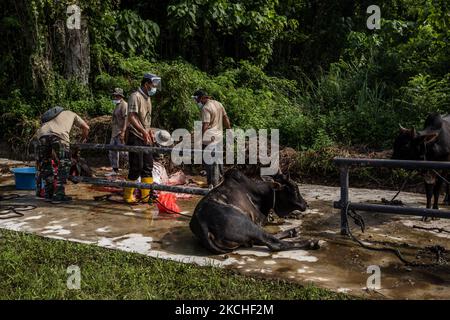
point(118, 129)
point(140, 134)
point(54, 140)
point(214, 118)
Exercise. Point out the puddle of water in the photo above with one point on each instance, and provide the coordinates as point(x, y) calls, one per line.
point(58, 230)
point(259, 252)
point(299, 255)
point(103, 230)
point(341, 265)
point(304, 270)
point(33, 218)
point(133, 242)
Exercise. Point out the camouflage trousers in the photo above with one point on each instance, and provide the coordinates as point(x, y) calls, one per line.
point(53, 148)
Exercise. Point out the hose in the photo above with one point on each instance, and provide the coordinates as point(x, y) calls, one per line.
point(13, 210)
point(386, 249)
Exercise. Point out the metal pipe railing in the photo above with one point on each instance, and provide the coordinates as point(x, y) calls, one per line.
point(412, 211)
point(387, 163)
point(344, 203)
point(140, 185)
point(141, 149)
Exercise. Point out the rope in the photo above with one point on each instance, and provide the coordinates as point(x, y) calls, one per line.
point(388, 249)
point(438, 230)
point(10, 196)
point(8, 211)
point(440, 176)
point(400, 190)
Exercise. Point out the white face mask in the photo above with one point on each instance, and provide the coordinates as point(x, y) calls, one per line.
point(200, 105)
point(116, 101)
point(151, 92)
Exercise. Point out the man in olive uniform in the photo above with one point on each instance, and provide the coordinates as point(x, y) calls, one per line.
point(54, 144)
point(140, 134)
point(214, 119)
point(118, 128)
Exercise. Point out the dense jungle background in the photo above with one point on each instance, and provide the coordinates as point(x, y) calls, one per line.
point(311, 68)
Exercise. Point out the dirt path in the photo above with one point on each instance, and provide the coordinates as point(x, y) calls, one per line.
point(340, 265)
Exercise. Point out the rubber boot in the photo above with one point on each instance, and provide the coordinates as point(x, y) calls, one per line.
point(128, 194)
point(145, 193)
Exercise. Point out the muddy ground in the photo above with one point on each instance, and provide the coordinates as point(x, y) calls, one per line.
point(340, 265)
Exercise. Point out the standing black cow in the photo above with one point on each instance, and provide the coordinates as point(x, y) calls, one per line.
point(232, 214)
point(432, 144)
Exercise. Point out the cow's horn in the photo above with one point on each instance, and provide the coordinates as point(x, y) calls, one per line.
point(403, 129)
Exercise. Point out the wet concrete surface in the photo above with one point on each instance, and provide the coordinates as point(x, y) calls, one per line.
point(340, 265)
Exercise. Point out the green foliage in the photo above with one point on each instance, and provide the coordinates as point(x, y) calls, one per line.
point(135, 35)
point(257, 22)
point(115, 274)
point(308, 68)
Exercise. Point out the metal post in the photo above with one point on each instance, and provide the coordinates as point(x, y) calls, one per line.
point(344, 198)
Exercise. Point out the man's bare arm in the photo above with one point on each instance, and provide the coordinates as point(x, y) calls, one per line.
point(125, 125)
point(124, 129)
point(205, 126)
point(85, 131)
point(226, 122)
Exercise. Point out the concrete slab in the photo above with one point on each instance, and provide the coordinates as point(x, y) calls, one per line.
point(341, 265)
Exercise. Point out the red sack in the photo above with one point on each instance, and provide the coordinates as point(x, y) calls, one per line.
point(167, 203)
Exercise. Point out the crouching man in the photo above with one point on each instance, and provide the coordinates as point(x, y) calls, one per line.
point(54, 144)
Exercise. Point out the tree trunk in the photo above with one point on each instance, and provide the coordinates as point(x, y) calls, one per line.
point(77, 53)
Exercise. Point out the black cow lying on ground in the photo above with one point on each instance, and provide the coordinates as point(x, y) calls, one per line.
point(432, 144)
point(232, 214)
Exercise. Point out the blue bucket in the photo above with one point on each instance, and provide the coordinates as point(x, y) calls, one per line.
point(25, 178)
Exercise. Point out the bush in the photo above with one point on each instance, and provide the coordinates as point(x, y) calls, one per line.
point(342, 107)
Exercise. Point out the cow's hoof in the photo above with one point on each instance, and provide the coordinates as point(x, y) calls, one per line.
point(435, 218)
point(314, 245)
point(293, 233)
point(296, 214)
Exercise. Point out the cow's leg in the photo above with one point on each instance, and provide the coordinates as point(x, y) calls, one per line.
point(429, 193)
point(436, 194)
point(240, 229)
point(290, 233)
point(447, 196)
point(275, 244)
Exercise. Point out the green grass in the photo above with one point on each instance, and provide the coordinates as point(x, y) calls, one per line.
point(32, 267)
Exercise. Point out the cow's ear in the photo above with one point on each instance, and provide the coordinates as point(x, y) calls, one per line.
point(403, 129)
point(428, 136)
point(276, 186)
point(431, 138)
point(267, 178)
